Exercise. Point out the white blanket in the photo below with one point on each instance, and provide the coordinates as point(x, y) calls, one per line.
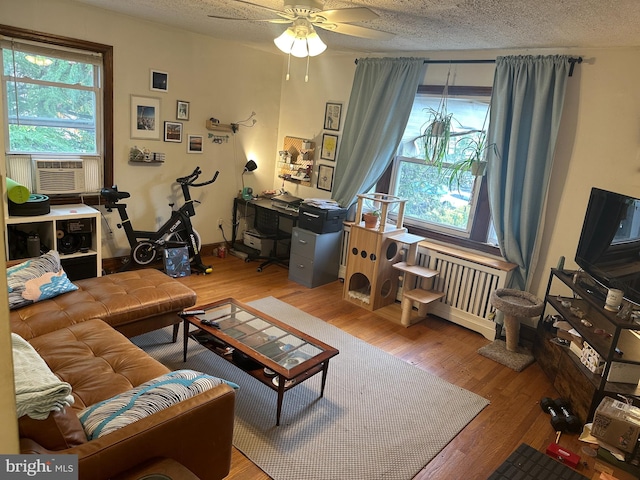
point(38, 390)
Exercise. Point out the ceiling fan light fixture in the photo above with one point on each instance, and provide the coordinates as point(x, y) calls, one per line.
point(315, 44)
point(299, 48)
point(285, 41)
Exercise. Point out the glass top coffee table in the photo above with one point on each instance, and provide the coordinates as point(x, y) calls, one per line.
point(269, 350)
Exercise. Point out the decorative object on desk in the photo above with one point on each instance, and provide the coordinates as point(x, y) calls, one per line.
point(173, 132)
point(332, 114)
point(329, 146)
point(325, 178)
point(145, 117)
point(159, 81)
point(182, 110)
point(247, 192)
point(194, 143)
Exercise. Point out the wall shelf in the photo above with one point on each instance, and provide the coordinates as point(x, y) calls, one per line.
point(297, 164)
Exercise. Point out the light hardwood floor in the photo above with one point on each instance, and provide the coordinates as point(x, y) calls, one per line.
point(435, 345)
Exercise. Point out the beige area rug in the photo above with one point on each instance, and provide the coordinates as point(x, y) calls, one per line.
point(380, 418)
point(497, 351)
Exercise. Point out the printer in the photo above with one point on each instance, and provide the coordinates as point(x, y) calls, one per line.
point(321, 220)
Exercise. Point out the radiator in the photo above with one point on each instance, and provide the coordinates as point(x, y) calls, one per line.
point(467, 285)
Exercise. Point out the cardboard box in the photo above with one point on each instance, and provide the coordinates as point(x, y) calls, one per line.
point(617, 424)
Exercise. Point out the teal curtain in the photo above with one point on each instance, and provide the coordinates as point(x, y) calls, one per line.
point(526, 107)
point(379, 107)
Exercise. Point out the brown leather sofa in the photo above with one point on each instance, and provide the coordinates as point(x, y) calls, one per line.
point(76, 334)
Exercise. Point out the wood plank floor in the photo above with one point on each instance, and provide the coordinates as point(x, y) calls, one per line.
point(435, 345)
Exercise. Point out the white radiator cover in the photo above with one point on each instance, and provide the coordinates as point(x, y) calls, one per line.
point(467, 286)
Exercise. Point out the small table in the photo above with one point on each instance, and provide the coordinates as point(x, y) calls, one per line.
point(267, 349)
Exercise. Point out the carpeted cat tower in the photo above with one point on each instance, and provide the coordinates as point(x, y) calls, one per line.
point(515, 305)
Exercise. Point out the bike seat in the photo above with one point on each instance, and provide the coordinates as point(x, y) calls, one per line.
point(112, 195)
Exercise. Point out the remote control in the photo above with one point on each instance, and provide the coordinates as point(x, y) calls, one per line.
point(186, 313)
point(210, 323)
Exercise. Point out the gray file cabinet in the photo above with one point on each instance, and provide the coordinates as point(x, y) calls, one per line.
point(315, 257)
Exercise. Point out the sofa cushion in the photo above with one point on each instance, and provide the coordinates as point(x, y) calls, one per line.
point(37, 279)
point(147, 399)
point(97, 361)
point(122, 300)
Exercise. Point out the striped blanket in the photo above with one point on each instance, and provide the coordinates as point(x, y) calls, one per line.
point(38, 390)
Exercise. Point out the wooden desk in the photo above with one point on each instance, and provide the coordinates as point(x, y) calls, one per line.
point(289, 216)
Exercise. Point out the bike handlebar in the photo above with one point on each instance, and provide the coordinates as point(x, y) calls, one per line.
point(192, 177)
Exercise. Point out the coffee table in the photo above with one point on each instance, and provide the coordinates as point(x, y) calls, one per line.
point(267, 349)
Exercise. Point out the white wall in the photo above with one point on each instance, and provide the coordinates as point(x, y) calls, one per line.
point(217, 78)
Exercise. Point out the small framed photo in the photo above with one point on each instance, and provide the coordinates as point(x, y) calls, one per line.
point(194, 143)
point(159, 81)
point(325, 177)
point(329, 146)
point(182, 112)
point(145, 117)
point(173, 132)
point(332, 114)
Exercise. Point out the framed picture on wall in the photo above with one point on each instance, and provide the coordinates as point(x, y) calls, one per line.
point(194, 143)
point(332, 114)
point(329, 146)
point(145, 117)
point(182, 112)
point(159, 81)
point(173, 132)
point(325, 177)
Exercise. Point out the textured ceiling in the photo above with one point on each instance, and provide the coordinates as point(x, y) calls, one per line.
point(418, 25)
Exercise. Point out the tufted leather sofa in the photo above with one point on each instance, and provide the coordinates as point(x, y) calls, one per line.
point(77, 336)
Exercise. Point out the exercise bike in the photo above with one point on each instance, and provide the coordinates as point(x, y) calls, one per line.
point(148, 246)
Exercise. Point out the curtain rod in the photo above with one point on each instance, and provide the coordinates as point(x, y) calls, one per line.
point(572, 61)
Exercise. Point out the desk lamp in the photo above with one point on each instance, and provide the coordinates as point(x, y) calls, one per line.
point(247, 192)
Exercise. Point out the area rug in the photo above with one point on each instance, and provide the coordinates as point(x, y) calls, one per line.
point(380, 418)
point(497, 351)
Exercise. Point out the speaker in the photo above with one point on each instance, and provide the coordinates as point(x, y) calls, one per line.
point(73, 242)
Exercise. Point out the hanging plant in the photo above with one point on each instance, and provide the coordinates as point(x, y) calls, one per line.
point(436, 132)
point(474, 153)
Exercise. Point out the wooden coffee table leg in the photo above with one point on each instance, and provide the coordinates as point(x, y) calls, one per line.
point(281, 383)
point(325, 369)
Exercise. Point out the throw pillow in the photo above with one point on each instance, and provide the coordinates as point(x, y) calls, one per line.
point(146, 399)
point(37, 279)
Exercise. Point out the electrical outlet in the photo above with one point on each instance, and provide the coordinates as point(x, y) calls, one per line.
point(219, 222)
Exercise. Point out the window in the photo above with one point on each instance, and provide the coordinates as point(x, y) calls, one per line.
point(444, 201)
point(58, 100)
point(53, 100)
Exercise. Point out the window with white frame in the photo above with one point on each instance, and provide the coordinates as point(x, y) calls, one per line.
point(444, 198)
point(53, 105)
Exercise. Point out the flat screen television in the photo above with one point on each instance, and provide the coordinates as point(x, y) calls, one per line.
point(609, 246)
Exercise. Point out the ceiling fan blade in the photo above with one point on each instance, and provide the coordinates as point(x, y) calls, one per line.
point(347, 15)
point(273, 10)
point(269, 20)
point(355, 31)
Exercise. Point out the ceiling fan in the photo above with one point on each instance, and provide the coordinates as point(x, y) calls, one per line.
point(306, 14)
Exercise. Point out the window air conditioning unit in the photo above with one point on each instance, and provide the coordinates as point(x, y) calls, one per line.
point(59, 176)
